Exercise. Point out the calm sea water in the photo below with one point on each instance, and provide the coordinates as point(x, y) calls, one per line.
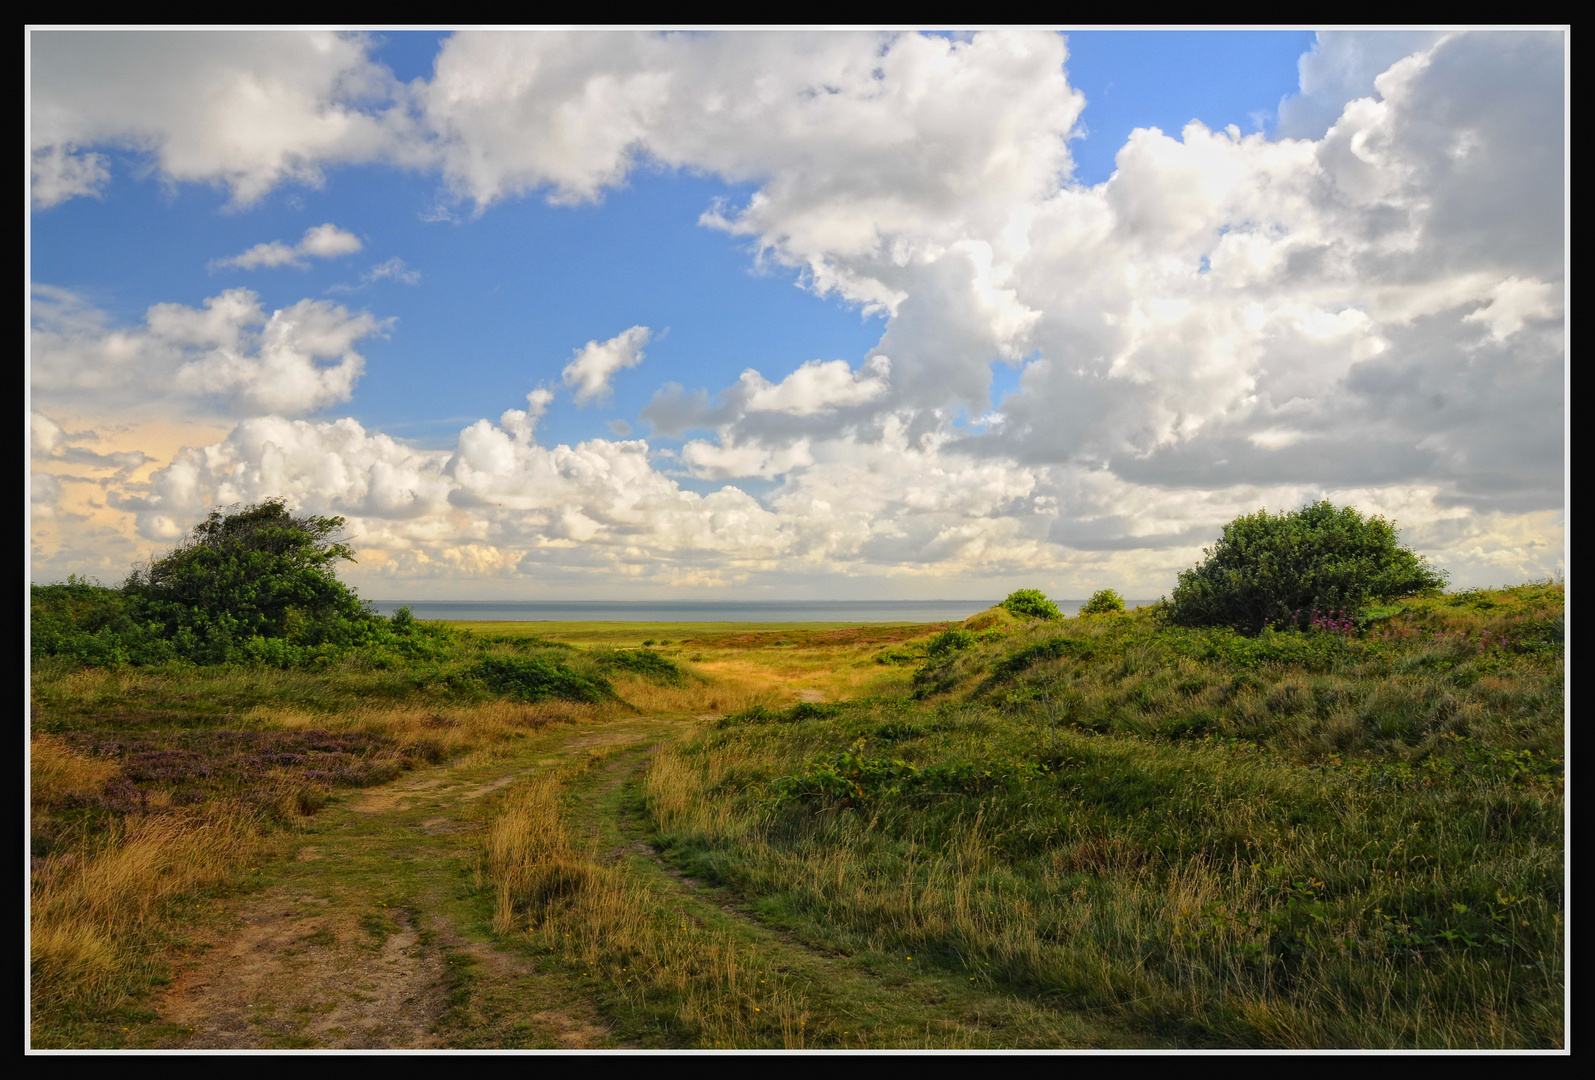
point(866, 611)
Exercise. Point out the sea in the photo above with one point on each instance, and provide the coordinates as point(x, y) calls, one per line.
point(733, 611)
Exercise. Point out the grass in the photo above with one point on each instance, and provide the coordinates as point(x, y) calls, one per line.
point(1085, 832)
point(1357, 845)
point(97, 910)
point(153, 788)
point(677, 967)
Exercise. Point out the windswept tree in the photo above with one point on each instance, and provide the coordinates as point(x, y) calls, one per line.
point(1277, 569)
point(253, 571)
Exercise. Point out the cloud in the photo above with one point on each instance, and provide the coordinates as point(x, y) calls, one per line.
point(320, 242)
point(328, 241)
point(247, 111)
point(817, 387)
point(60, 174)
point(1369, 307)
point(597, 362)
point(1341, 67)
point(49, 441)
point(1230, 309)
point(394, 269)
point(226, 357)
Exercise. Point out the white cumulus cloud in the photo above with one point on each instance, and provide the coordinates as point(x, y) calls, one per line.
point(60, 174)
point(246, 110)
point(227, 356)
point(320, 242)
point(597, 362)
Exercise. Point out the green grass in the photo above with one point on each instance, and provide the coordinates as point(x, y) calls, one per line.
point(1259, 842)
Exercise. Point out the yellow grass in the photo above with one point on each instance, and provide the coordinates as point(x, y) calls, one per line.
point(451, 730)
point(93, 911)
point(58, 772)
point(607, 928)
point(102, 905)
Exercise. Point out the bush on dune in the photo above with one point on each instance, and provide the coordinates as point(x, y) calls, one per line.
point(535, 678)
point(1031, 604)
point(255, 585)
point(1103, 602)
point(1319, 562)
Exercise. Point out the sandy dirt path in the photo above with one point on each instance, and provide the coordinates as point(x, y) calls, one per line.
point(359, 938)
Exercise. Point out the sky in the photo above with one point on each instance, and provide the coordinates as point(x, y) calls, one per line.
point(779, 315)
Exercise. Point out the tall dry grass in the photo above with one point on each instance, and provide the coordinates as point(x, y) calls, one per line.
point(97, 913)
point(58, 772)
point(491, 728)
point(697, 696)
point(702, 986)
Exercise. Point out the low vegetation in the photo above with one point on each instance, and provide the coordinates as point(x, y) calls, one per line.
point(1290, 569)
point(1322, 838)
point(1125, 828)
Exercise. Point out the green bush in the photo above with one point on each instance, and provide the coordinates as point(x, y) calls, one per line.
point(1103, 602)
point(1030, 604)
point(91, 624)
point(533, 678)
point(651, 665)
point(1281, 569)
point(948, 642)
point(258, 571)
point(256, 585)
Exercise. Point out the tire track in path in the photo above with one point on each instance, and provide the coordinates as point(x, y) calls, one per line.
point(847, 1000)
point(374, 934)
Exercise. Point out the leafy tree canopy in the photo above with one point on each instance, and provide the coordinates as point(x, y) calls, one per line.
point(1276, 569)
point(252, 571)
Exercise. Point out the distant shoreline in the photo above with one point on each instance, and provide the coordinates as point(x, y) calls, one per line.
point(716, 611)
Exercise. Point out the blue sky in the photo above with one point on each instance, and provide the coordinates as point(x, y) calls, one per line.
point(506, 268)
point(505, 300)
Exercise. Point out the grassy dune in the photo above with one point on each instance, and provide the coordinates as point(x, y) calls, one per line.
point(1089, 832)
point(1299, 842)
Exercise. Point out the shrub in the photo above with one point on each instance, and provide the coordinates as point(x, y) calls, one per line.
point(256, 585)
point(653, 666)
point(1031, 604)
point(92, 624)
point(532, 678)
point(1274, 570)
point(1103, 602)
point(255, 571)
point(948, 642)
